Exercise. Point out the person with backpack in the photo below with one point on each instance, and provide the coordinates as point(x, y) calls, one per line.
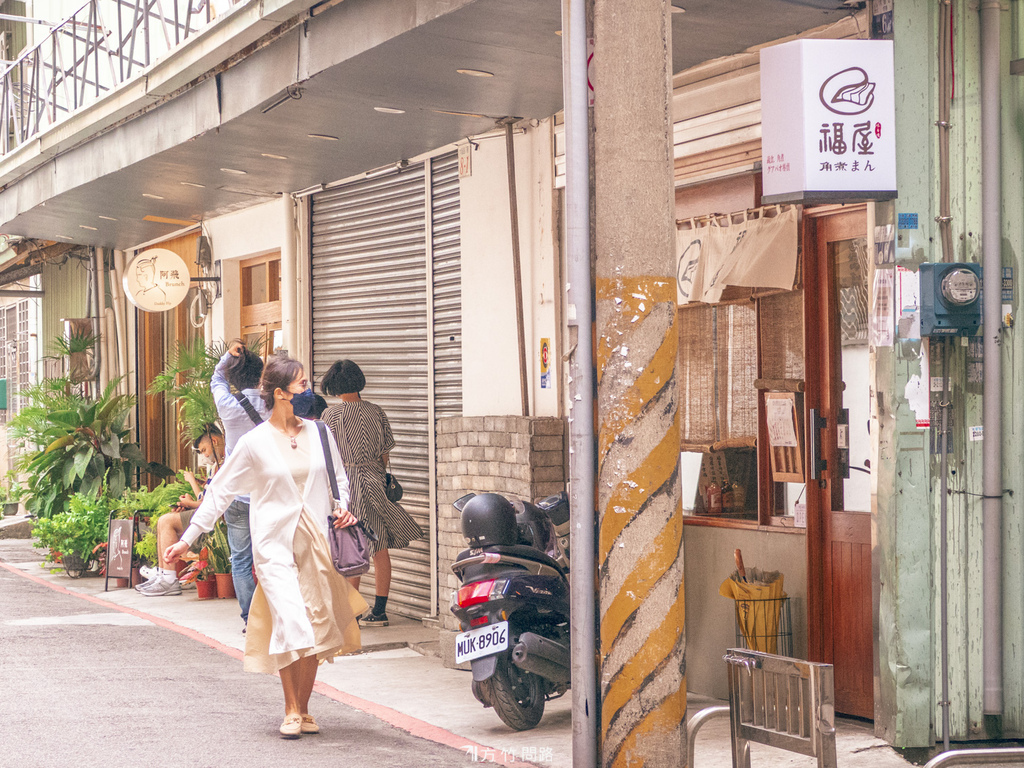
point(239, 412)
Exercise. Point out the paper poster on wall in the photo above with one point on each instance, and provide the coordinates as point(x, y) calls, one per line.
point(917, 391)
point(908, 291)
point(882, 309)
point(781, 430)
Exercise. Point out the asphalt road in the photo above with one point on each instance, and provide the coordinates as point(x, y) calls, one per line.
point(82, 686)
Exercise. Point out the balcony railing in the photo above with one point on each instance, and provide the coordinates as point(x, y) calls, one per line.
point(102, 45)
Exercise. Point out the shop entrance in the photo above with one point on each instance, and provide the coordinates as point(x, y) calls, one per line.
point(839, 525)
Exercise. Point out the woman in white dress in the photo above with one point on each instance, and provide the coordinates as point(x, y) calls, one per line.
point(303, 611)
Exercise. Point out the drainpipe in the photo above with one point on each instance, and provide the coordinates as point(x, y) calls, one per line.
point(992, 489)
point(98, 314)
point(582, 452)
point(289, 284)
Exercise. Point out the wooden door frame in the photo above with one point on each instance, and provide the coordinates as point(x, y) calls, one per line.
point(820, 328)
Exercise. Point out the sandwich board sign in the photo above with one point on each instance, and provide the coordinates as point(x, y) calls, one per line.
point(120, 547)
point(828, 121)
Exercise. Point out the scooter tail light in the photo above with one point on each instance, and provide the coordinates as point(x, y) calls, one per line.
point(472, 594)
point(479, 621)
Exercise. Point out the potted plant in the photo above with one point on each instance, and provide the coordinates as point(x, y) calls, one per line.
point(74, 443)
point(10, 495)
point(199, 572)
point(220, 559)
point(73, 537)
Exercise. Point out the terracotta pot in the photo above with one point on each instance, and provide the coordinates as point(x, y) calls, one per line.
point(118, 583)
point(225, 586)
point(206, 590)
point(137, 575)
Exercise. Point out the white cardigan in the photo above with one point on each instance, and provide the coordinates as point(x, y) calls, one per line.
point(256, 467)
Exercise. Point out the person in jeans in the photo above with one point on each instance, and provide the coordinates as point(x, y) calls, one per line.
point(239, 412)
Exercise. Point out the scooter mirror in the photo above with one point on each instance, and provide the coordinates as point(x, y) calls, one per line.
point(462, 501)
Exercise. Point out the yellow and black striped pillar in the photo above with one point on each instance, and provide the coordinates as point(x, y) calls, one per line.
point(640, 569)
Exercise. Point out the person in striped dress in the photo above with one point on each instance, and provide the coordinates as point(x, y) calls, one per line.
point(364, 439)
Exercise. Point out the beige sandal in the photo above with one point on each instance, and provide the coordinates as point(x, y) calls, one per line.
point(291, 727)
point(309, 724)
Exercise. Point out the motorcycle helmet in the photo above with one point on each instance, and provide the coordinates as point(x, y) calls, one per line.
point(488, 520)
point(535, 528)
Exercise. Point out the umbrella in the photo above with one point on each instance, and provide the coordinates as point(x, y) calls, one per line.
point(758, 595)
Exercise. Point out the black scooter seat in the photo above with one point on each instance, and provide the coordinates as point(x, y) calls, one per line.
point(526, 556)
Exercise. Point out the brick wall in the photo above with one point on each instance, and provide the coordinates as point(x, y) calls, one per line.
point(516, 456)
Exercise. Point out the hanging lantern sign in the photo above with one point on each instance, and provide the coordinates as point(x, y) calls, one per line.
point(828, 121)
point(156, 280)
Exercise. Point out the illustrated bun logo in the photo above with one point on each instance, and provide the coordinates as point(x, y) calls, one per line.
point(848, 92)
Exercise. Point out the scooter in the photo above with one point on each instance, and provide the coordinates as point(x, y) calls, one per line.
point(513, 605)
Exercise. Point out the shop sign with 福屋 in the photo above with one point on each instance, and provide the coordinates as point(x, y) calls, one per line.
point(828, 121)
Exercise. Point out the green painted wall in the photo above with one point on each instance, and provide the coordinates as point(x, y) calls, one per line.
point(66, 295)
point(907, 551)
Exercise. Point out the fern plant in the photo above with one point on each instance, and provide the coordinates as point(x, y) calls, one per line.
point(186, 380)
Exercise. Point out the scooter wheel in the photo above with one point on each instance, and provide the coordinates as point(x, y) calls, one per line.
point(516, 695)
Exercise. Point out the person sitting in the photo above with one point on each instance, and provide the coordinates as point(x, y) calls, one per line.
point(163, 581)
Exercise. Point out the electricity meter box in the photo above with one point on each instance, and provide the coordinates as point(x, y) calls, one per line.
point(950, 298)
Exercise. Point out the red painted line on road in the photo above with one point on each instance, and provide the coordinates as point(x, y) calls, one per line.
point(400, 720)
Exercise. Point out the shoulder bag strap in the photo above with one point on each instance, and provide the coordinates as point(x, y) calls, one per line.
point(331, 476)
point(248, 408)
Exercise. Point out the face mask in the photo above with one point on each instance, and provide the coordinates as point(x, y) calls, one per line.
point(206, 461)
point(303, 403)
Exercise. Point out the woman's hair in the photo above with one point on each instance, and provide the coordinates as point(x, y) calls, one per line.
point(344, 377)
point(244, 371)
point(279, 372)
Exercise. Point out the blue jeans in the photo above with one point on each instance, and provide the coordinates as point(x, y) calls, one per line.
point(240, 544)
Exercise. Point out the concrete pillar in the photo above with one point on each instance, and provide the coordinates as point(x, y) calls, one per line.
point(642, 643)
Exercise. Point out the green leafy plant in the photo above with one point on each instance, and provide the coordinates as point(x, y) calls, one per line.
point(219, 555)
point(76, 532)
point(74, 444)
point(11, 491)
point(186, 380)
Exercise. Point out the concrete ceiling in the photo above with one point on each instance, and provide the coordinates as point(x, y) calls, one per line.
point(414, 71)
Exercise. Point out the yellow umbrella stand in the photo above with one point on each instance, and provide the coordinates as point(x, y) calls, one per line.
point(758, 596)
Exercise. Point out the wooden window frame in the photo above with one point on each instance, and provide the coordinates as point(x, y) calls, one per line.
point(766, 491)
point(264, 317)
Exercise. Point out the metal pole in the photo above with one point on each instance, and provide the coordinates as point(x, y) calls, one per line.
point(517, 270)
point(945, 221)
point(582, 452)
point(992, 489)
point(943, 545)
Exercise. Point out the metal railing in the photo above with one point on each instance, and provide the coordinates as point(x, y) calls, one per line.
point(100, 46)
point(781, 702)
point(999, 756)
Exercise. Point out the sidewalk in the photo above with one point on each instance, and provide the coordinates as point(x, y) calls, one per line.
point(398, 678)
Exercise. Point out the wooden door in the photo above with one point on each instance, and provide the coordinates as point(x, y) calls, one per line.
point(839, 519)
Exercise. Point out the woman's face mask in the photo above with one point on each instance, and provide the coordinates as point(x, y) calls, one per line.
point(206, 461)
point(303, 403)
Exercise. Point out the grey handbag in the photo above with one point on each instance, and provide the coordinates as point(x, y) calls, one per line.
point(350, 548)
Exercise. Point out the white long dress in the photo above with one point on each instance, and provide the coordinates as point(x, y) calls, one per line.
point(308, 604)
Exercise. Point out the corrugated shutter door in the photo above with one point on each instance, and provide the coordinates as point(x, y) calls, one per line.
point(370, 302)
point(370, 306)
point(447, 257)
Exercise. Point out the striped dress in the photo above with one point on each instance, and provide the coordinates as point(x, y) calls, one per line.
point(364, 435)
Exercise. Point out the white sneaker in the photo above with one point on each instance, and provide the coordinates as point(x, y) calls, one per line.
point(162, 588)
point(149, 572)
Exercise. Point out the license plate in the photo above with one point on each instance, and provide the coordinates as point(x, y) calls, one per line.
point(482, 641)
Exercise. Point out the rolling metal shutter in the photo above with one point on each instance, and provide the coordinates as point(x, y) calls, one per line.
point(371, 269)
point(447, 280)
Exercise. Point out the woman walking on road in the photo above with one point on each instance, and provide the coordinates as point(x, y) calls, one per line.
point(303, 611)
point(364, 440)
